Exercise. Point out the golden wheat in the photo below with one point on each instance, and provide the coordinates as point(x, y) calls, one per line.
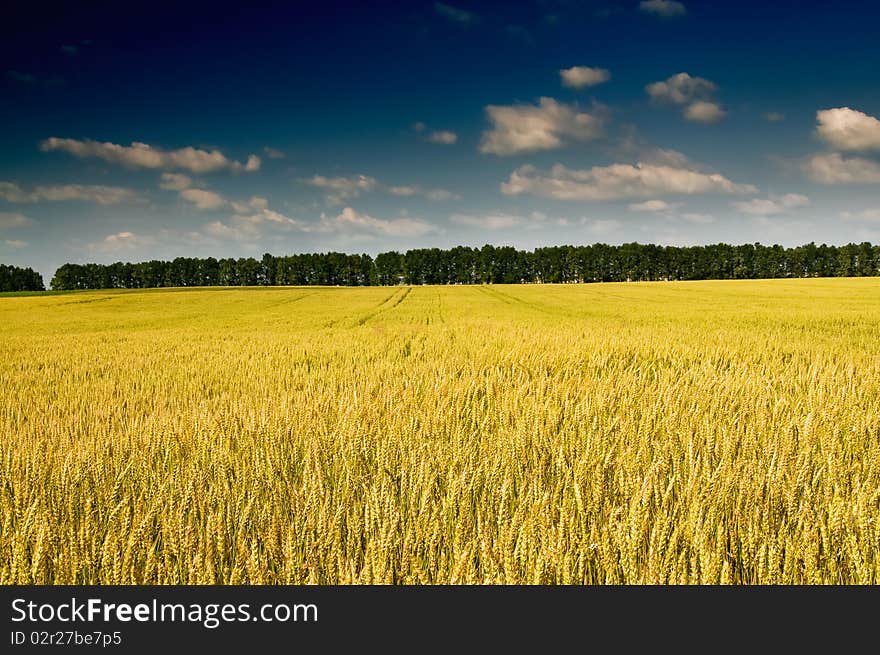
point(706, 432)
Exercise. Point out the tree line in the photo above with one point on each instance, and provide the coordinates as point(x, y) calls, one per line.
point(15, 278)
point(486, 265)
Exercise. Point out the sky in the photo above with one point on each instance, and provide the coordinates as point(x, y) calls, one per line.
point(149, 130)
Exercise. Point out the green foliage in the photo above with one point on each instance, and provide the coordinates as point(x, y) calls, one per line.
point(486, 265)
point(14, 278)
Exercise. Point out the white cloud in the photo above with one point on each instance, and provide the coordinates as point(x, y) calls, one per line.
point(11, 192)
point(657, 206)
point(662, 7)
point(343, 188)
point(580, 77)
point(772, 205)
point(665, 157)
point(455, 14)
point(441, 194)
point(443, 137)
point(395, 227)
point(415, 190)
point(10, 219)
point(253, 164)
point(175, 181)
point(694, 92)
point(489, 221)
point(529, 128)
point(832, 168)
point(143, 155)
point(221, 230)
point(103, 195)
point(273, 153)
point(618, 181)
point(123, 241)
point(669, 209)
point(256, 203)
point(405, 191)
point(703, 111)
point(346, 188)
point(865, 215)
point(15, 243)
point(203, 199)
point(210, 200)
point(603, 227)
point(248, 226)
point(848, 129)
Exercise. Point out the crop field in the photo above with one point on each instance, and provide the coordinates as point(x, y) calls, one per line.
point(682, 432)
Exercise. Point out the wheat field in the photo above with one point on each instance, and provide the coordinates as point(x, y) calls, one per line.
point(702, 432)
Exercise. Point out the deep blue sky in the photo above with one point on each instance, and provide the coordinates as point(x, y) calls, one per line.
point(413, 124)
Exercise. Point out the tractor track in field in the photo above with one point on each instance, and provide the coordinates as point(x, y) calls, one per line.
point(511, 300)
point(383, 306)
point(440, 308)
point(287, 301)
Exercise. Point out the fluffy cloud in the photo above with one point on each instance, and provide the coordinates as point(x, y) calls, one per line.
point(174, 182)
point(668, 210)
point(341, 189)
point(772, 205)
point(208, 200)
point(580, 77)
point(408, 191)
point(441, 194)
point(681, 88)
point(405, 191)
point(693, 92)
point(273, 153)
point(866, 215)
point(848, 129)
point(603, 227)
point(491, 221)
point(143, 155)
point(657, 206)
point(618, 181)
point(255, 204)
point(123, 241)
point(833, 168)
point(103, 195)
point(15, 243)
point(529, 128)
point(662, 7)
point(203, 199)
point(396, 227)
point(248, 226)
point(703, 111)
point(443, 137)
point(9, 219)
point(455, 14)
